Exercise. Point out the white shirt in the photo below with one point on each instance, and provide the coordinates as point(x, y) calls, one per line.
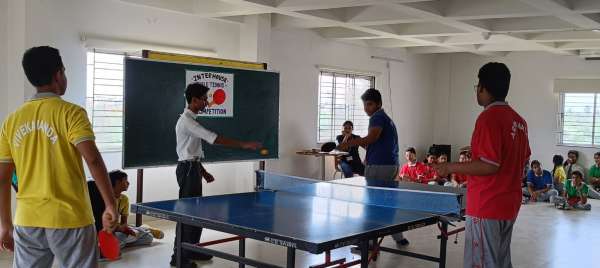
point(189, 135)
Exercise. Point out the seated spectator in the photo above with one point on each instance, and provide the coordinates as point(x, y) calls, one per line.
point(525, 172)
point(594, 174)
point(349, 164)
point(443, 158)
point(430, 175)
point(575, 194)
point(558, 174)
point(571, 165)
point(539, 184)
point(127, 235)
point(459, 180)
point(413, 170)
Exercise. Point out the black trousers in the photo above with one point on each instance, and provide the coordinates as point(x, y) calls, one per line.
point(190, 185)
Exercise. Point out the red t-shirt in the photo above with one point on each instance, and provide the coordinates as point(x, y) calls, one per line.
point(499, 138)
point(460, 178)
point(413, 171)
point(429, 174)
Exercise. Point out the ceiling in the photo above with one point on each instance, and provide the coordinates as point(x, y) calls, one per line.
point(483, 27)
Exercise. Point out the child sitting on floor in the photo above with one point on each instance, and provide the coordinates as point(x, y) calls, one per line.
point(575, 194)
point(129, 235)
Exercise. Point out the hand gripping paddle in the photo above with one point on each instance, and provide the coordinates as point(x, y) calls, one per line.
point(109, 245)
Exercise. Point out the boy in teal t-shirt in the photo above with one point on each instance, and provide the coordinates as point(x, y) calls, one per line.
point(15, 182)
point(575, 194)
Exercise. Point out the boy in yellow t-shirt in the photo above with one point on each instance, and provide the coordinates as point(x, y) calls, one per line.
point(558, 174)
point(129, 235)
point(44, 140)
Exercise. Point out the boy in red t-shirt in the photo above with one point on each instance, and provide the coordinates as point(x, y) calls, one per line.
point(459, 180)
point(500, 149)
point(413, 170)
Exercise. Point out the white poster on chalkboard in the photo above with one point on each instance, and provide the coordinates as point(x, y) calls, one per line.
point(220, 95)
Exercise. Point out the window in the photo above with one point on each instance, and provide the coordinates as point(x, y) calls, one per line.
point(104, 101)
point(339, 100)
point(579, 119)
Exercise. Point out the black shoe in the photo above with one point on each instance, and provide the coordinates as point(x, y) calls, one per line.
point(200, 256)
point(403, 242)
point(185, 264)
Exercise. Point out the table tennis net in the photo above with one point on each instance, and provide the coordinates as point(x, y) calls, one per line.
point(439, 203)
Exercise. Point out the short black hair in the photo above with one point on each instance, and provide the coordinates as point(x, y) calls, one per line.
point(465, 153)
point(196, 90)
point(41, 64)
point(557, 160)
point(495, 78)
point(411, 149)
point(578, 173)
point(371, 95)
point(535, 163)
point(348, 123)
point(597, 154)
point(116, 175)
point(576, 153)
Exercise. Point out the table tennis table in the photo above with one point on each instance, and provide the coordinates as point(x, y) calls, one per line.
point(315, 216)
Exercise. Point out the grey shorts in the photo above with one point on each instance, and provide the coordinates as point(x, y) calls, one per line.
point(73, 248)
point(487, 243)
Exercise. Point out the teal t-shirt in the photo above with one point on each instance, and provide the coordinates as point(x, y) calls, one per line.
point(15, 182)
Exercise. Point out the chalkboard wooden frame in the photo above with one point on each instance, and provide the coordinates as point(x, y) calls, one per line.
point(274, 119)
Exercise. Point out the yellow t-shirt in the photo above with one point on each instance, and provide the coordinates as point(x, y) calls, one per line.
point(40, 138)
point(123, 205)
point(559, 174)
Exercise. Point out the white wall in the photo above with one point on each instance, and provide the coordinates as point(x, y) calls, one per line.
point(531, 94)
point(295, 53)
point(59, 23)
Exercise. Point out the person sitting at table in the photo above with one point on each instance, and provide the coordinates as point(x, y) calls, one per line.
point(413, 170)
point(443, 158)
point(459, 180)
point(349, 164)
point(430, 175)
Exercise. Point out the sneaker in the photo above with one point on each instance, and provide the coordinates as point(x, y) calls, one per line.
point(186, 264)
point(156, 233)
point(403, 242)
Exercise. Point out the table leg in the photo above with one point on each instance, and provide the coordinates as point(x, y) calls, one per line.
point(178, 247)
point(443, 244)
point(322, 167)
point(364, 253)
point(242, 251)
point(291, 258)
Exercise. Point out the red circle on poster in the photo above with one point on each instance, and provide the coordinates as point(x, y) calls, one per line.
point(219, 96)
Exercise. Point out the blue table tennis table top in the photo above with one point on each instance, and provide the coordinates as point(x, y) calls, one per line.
point(313, 216)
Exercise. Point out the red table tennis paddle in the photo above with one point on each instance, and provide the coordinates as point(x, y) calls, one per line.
point(109, 245)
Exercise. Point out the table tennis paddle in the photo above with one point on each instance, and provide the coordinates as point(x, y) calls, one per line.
point(109, 245)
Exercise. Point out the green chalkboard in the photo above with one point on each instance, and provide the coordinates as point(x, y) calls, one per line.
point(154, 99)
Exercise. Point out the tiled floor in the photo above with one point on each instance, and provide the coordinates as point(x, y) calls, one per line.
point(544, 237)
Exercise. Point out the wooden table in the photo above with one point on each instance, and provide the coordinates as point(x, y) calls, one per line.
point(323, 155)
